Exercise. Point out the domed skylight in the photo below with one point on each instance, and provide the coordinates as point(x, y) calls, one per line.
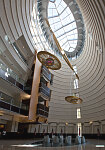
point(63, 24)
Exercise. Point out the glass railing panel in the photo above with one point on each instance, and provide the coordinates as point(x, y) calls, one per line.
point(15, 109)
point(16, 103)
point(42, 90)
point(9, 72)
point(46, 73)
point(45, 87)
point(7, 102)
point(5, 105)
point(5, 98)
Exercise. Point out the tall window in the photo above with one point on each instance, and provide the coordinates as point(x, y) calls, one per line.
point(75, 69)
point(78, 113)
point(79, 129)
point(75, 83)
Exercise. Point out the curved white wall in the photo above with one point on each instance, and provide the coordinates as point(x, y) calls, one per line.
point(90, 66)
point(15, 21)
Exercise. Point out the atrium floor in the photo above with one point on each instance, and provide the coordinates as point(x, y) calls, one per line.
point(22, 145)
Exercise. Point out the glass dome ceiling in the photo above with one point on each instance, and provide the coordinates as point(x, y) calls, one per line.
point(63, 24)
point(66, 22)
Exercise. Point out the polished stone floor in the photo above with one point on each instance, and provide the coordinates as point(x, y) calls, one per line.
point(22, 145)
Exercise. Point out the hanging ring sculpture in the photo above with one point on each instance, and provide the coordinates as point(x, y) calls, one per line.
point(49, 60)
point(73, 99)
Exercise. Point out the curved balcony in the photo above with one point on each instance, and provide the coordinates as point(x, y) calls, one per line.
point(10, 76)
point(42, 110)
point(8, 103)
point(46, 73)
point(44, 91)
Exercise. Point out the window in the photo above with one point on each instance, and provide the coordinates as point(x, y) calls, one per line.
point(75, 69)
point(79, 129)
point(78, 113)
point(75, 83)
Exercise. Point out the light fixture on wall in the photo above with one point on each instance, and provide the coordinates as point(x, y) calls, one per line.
point(90, 122)
point(49, 60)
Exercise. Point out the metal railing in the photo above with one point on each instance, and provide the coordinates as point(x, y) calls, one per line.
point(8, 103)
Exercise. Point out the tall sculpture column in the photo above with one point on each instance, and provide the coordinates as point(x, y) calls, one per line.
point(34, 91)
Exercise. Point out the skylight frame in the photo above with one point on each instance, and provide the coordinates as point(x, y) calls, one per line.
point(64, 28)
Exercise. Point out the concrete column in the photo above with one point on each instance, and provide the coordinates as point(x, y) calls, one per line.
point(34, 92)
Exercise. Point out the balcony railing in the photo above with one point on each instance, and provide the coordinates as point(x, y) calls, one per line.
point(7, 77)
point(43, 89)
point(46, 73)
point(8, 103)
point(42, 110)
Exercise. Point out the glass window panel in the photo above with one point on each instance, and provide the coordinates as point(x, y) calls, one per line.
point(78, 113)
point(73, 25)
point(66, 47)
point(63, 4)
point(71, 49)
point(60, 9)
point(56, 34)
point(54, 13)
point(56, 19)
point(51, 5)
point(68, 28)
point(73, 42)
point(53, 28)
point(66, 21)
point(50, 12)
point(51, 21)
point(63, 15)
point(71, 37)
point(57, 2)
point(58, 25)
point(73, 45)
point(63, 41)
point(68, 10)
point(75, 83)
point(71, 17)
point(59, 32)
point(79, 129)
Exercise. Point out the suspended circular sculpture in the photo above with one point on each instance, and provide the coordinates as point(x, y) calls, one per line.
point(73, 99)
point(49, 60)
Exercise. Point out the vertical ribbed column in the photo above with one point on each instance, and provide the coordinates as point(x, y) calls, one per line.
point(35, 89)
